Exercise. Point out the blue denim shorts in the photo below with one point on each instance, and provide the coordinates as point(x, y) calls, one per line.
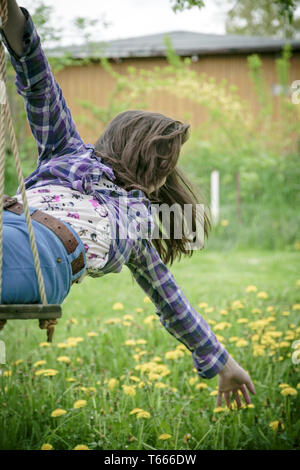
point(19, 280)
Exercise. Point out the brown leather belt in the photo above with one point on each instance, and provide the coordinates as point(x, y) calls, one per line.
point(55, 225)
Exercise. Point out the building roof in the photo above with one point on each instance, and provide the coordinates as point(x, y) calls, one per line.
point(185, 43)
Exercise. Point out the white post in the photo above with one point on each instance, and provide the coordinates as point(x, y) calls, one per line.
point(214, 196)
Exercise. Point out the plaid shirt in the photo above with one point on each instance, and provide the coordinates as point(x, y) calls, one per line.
point(63, 158)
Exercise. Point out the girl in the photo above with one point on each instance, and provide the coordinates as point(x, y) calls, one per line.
point(97, 201)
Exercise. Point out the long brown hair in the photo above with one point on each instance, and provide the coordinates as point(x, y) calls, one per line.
point(143, 148)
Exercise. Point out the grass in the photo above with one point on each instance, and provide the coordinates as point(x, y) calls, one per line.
point(177, 406)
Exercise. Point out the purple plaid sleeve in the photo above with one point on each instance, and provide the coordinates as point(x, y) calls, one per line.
point(47, 112)
point(175, 312)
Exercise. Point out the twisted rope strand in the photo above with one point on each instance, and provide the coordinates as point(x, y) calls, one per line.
point(6, 115)
point(3, 20)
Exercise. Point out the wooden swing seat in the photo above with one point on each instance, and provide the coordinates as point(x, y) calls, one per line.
point(29, 311)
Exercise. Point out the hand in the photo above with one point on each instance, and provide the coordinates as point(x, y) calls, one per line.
point(233, 378)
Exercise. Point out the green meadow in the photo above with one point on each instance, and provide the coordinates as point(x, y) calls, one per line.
point(114, 378)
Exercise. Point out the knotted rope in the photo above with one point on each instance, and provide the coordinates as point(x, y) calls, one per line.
point(5, 117)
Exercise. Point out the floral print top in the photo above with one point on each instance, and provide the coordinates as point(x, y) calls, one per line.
point(84, 213)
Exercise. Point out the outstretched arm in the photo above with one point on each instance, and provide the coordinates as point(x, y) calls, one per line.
point(48, 114)
point(182, 321)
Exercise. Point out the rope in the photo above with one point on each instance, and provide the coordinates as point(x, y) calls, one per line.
point(3, 21)
point(6, 115)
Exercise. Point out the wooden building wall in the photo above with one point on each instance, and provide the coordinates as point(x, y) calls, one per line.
point(93, 83)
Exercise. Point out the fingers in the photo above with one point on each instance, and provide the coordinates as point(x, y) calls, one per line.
point(245, 394)
point(227, 399)
point(237, 398)
point(219, 398)
point(250, 386)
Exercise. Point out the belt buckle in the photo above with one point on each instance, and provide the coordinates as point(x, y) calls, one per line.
point(9, 201)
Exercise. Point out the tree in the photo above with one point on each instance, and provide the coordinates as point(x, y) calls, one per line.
point(180, 5)
point(260, 18)
point(263, 18)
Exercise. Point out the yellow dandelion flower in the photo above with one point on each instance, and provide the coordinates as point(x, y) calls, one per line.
point(160, 385)
point(92, 390)
point(258, 351)
point(39, 363)
point(224, 222)
point(202, 305)
point(285, 313)
point(130, 342)
point(62, 345)
point(112, 321)
point(213, 393)
point(297, 246)
point(237, 304)
point(81, 447)
point(284, 344)
point(274, 425)
point(152, 376)
point(233, 339)
point(270, 308)
point(50, 373)
point(193, 380)
point(296, 307)
point(141, 341)
point(112, 383)
point(7, 373)
point(241, 343)
point(19, 361)
point(173, 355)
point(256, 310)
point(91, 334)
point(219, 409)
point(221, 339)
point(79, 404)
point(139, 309)
point(201, 386)
point(142, 384)
point(143, 414)
point(64, 359)
point(221, 326)
point(242, 320)
point(79, 360)
point(250, 405)
point(148, 320)
point(298, 283)
point(224, 312)
point(251, 288)
point(164, 437)
point(136, 410)
point(211, 322)
point(47, 372)
point(289, 391)
point(70, 379)
point(46, 446)
point(134, 378)
point(118, 306)
point(72, 321)
point(209, 310)
point(129, 390)
point(58, 412)
point(255, 338)
point(128, 317)
point(262, 295)
point(44, 344)
point(147, 300)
